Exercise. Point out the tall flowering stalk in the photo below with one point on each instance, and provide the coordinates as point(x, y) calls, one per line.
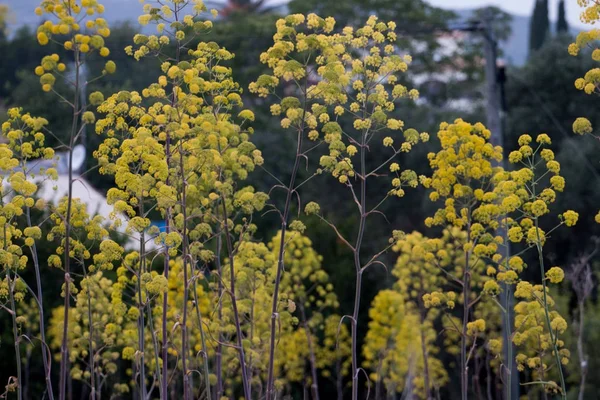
point(407, 348)
point(462, 173)
point(310, 297)
point(354, 74)
point(263, 315)
point(359, 74)
point(68, 17)
point(23, 151)
point(25, 141)
point(589, 84)
point(291, 58)
point(196, 111)
point(538, 163)
point(580, 277)
point(478, 199)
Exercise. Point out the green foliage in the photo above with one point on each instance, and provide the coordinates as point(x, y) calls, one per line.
point(539, 28)
point(206, 307)
point(562, 26)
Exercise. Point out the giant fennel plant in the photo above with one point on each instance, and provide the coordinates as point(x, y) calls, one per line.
point(202, 308)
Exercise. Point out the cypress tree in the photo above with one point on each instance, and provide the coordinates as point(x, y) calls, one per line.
point(562, 26)
point(539, 25)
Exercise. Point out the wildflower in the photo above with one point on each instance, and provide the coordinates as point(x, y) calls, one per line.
point(524, 290)
point(515, 156)
point(110, 67)
point(570, 217)
point(515, 234)
point(495, 346)
point(582, 126)
point(524, 140)
point(88, 117)
point(394, 124)
point(558, 183)
point(42, 38)
point(491, 288)
point(543, 138)
point(475, 327)
point(558, 324)
point(553, 166)
point(539, 208)
point(555, 274)
point(312, 208)
point(535, 235)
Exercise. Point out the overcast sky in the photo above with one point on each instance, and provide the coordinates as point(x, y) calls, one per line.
point(522, 7)
point(24, 8)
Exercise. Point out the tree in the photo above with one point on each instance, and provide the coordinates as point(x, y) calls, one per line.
point(539, 25)
point(532, 96)
point(4, 15)
point(562, 26)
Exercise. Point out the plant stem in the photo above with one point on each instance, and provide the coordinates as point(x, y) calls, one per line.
point(165, 339)
point(204, 348)
point(464, 381)
point(154, 343)
point(583, 362)
point(547, 314)
point(357, 264)
point(284, 221)
point(219, 358)
point(64, 352)
point(38, 281)
point(184, 339)
point(425, 355)
point(236, 315)
point(311, 351)
point(508, 327)
point(505, 309)
point(13, 309)
point(148, 305)
point(91, 341)
point(546, 311)
point(141, 322)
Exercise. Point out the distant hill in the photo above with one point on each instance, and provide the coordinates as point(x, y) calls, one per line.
point(116, 11)
point(515, 48)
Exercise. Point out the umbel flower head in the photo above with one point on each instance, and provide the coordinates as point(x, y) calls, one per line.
point(77, 26)
point(355, 93)
point(463, 172)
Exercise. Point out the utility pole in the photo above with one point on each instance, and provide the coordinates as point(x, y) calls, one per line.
point(495, 77)
point(493, 106)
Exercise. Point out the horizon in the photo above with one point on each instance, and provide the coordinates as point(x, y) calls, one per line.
point(514, 7)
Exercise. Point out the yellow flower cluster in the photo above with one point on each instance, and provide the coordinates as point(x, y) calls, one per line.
point(23, 141)
point(107, 328)
point(589, 83)
point(306, 297)
point(462, 173)
point(65, 24)
point(393, 346)
point(169, 28)
point(357, 64)
point(532, 337)
point(69, 17)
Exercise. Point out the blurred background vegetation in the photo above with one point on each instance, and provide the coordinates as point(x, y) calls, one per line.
point(448, 70)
